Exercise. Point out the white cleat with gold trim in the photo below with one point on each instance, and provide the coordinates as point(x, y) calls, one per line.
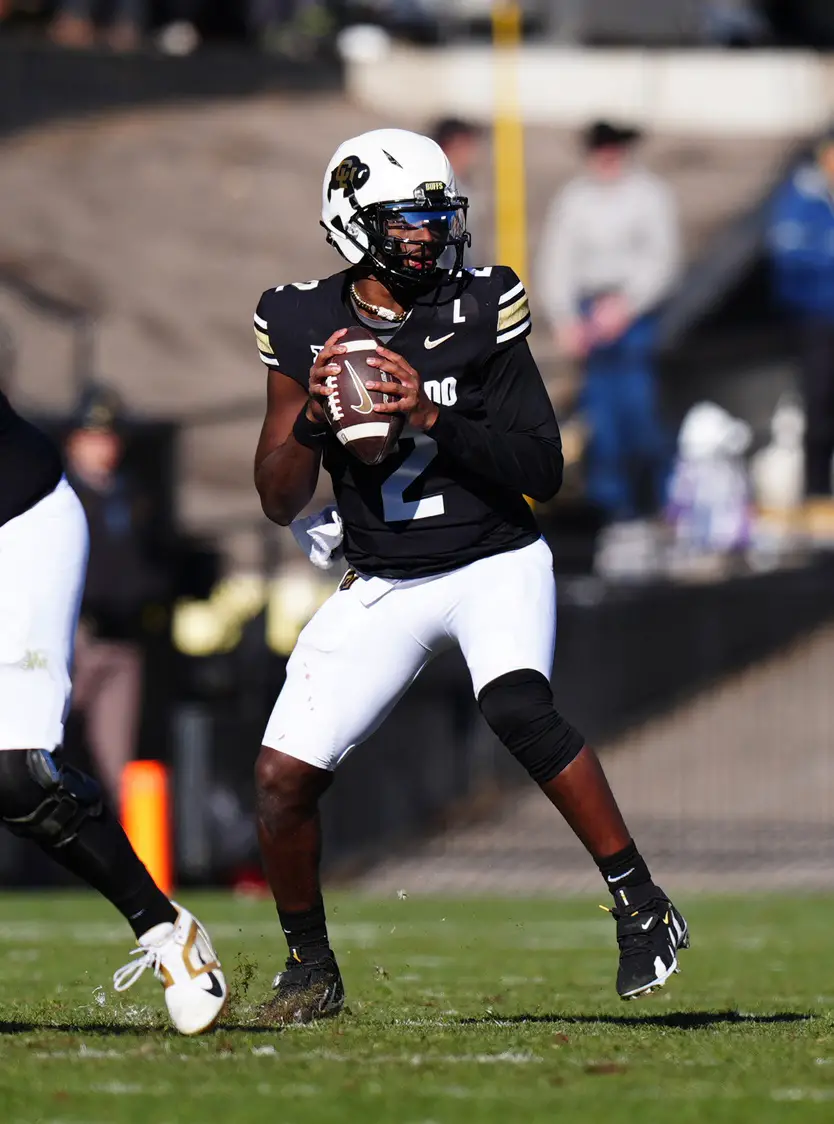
point(183, 960)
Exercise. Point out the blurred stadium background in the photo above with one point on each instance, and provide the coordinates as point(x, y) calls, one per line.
point(157, 177)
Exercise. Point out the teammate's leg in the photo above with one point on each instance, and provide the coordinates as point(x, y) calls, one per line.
point(352, 663)
point(62, 811)
point(42, 567)
point(509, 652)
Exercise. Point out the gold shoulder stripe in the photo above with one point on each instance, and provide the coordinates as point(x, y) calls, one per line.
point(513, 313)
point(263, 342)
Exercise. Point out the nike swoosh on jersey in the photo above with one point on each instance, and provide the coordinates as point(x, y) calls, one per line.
point(430, 343)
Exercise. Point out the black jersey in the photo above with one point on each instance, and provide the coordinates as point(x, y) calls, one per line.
point(456, 493)
point(30, 464)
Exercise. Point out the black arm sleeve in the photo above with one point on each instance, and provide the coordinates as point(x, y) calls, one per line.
point(518, 445)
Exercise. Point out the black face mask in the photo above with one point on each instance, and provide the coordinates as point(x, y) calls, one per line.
point(413, 263)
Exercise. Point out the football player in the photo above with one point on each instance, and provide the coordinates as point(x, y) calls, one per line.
point(43, 561)
point(442, 547)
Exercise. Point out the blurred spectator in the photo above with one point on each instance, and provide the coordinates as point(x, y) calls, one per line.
point(734, 23)
point(123, 578)
point(778, 469)
point(178, 34)
point(709, 495)
point(290, 27)
point(609, 254)
point(462, 143)
point(802, 250)
point(123, 23)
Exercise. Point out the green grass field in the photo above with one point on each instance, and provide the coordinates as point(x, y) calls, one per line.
point(481, 1011)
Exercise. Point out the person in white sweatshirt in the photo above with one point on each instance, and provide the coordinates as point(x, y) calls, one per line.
point(609, 256)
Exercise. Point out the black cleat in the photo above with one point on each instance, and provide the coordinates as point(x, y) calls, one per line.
point(305, 991)
point(649, 932)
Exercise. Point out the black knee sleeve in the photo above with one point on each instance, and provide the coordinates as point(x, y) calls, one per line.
point(45, 801)
point(519, 709)
point(61, 810)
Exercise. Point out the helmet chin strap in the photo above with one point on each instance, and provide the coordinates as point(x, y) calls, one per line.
point(404, 290)
point(408, 290)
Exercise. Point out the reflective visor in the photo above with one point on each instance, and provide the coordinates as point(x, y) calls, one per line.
point(440, 224)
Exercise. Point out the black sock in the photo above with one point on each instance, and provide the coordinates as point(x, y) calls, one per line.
point(100, 853)
point(102, 856)
point(626, 869)
point(306, 932)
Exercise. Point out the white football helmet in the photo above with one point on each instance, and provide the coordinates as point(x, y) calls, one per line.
point(389, 199)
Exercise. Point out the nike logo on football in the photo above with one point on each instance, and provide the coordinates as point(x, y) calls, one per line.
point(430, 343)
point(620, 877)
point(365, 405)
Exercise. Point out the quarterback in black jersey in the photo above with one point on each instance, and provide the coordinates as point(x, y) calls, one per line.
point(495, 440)
point(443, 547)
point(43, 562)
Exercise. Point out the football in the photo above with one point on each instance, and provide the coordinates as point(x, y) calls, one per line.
point(350, 408)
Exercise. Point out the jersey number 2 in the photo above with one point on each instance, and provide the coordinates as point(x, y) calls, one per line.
point(397, 510)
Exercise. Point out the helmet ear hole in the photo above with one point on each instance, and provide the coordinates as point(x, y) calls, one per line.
point(350, 241)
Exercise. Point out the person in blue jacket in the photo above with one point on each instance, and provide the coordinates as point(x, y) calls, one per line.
point(801, 241)
point(609, 256)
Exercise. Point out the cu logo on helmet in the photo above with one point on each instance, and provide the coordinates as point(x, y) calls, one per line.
point(350, 175)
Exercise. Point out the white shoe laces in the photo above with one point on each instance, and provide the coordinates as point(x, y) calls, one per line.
point(127, 976)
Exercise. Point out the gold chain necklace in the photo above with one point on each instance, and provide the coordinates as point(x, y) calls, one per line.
point(376, 310)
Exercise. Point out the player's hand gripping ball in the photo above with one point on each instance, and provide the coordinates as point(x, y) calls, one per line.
point(347, 402)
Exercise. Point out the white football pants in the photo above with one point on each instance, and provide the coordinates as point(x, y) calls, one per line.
point(367, 644)
point(43, 564)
